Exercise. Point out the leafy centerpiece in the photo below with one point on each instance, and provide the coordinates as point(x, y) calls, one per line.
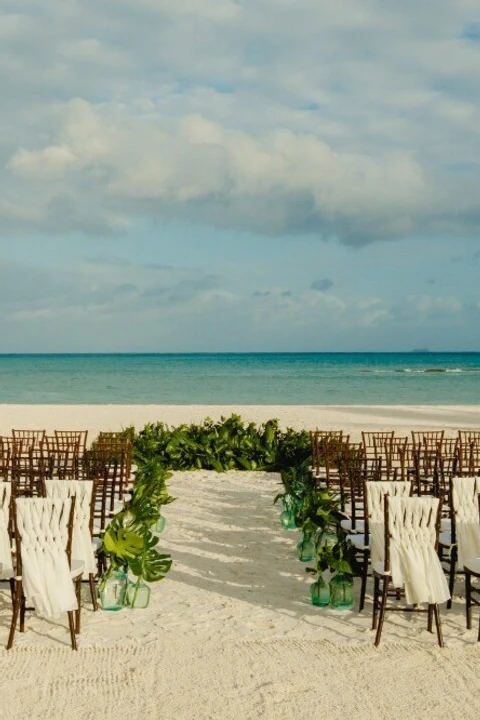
point(130, 543)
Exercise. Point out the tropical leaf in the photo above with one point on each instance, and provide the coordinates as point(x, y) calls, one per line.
point(123, 543)
point(151, 565)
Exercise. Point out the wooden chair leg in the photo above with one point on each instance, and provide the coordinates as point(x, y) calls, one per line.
point(22, 612)
point(451, 575)
point(383, 607)
point(438, 625)
point(468, 599)
point(430, 618)
point(71, 624)
point(78, 592)
point(12, 589)
point(93, 591)
point(16, 610)
point(376, 591)
point(363, 587)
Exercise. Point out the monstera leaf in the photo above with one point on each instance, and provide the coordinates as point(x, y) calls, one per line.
point(123, 543)
point(150, 564)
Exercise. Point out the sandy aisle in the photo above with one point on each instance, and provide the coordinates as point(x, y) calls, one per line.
point(230, 634)
point(352, 418)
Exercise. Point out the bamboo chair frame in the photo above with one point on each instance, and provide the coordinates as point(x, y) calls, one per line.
point(6, 449)
point(397, 459)
point(91, 577)
point(427, 439)
point(452, 560)
point(29, 438)
point(380, 598)
point(366, 551)
point(472, 592)
point(377, 447)
point(317, 438)
point(28, 470)
point(19, 604)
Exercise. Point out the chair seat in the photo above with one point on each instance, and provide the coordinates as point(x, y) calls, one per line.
point(347, 525)
point(358, 541)
point(7, 573)
point(445, 525)
point(445, 539)
point(118, 506)
point(76, 568)
point(379, 568)
point(472, 565)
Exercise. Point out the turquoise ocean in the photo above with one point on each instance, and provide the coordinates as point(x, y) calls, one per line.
point(243, 379)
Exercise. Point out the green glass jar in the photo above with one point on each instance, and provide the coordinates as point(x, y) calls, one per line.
point(306, 547)
point(341, 592)
point(159, 526)
point(320, 592)
point(112, 590)
point(287, 518)
point(138, 594)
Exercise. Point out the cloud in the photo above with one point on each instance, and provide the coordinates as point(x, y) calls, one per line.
point(322, 284)
point(319, 117)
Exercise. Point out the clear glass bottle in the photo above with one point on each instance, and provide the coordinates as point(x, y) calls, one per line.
point(341, 592)
point(287, 518)
point(306, 547)
point(159, 526)
point(320, 592)
point(138, 594)
point(112, 590)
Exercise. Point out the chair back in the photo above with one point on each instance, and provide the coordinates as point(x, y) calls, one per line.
point(6, 561)
point(465, 516)
point(84, 493)
point(377, 448)
point(29, 468)
point(68, 448)
point(317, 439)
point(375, 492)
point(29, 439)
point(6, 445)
point(43, 537)
point(412, 527)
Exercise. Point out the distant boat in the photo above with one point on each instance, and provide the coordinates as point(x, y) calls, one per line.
point(420, 350)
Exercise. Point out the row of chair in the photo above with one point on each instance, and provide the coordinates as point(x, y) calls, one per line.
point(397, 457)
point(426, 467)
point(30, 456)
point(53, 550)
point(55, 522)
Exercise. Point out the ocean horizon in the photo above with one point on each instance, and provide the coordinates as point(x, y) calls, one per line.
point(251, 378)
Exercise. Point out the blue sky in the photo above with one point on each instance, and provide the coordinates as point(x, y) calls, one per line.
point(214, 175)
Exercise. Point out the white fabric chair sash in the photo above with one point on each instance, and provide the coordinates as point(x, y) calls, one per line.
point(376, 491)
point(413, 559)
point(81, 540)
point(465, 492)
point(43, 527)
point(6, 562)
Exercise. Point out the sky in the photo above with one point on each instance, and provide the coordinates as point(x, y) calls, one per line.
point(234, 176)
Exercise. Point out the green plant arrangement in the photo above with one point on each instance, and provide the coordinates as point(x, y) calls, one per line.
point(318, 514)
point(227, 444)
point(129, 542)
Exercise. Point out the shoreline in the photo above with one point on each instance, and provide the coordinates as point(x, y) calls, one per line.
point(350, 418)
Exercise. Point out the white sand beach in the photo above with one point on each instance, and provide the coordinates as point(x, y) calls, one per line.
point(351, 418)
point(230, 632)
